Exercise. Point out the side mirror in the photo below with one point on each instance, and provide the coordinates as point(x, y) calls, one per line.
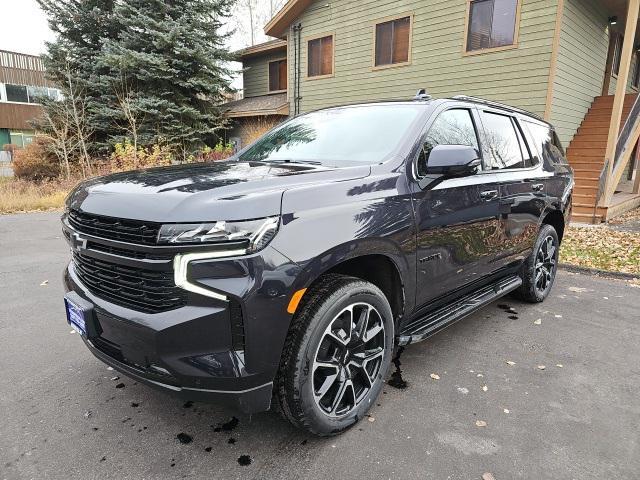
point(453, 161)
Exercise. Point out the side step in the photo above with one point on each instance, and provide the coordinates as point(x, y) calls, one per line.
point(426, 326)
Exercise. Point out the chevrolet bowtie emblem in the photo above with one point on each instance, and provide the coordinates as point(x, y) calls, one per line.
point(78, 243)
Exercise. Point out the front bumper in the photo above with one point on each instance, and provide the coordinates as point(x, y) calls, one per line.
point(223, 351)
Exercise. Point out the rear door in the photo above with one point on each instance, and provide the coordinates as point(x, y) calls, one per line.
point(457, 222)
point(522, 183)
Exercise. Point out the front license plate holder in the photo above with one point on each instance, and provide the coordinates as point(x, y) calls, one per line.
point(80, 315)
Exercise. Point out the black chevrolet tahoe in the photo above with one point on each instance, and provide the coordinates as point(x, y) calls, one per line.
point(286, 275)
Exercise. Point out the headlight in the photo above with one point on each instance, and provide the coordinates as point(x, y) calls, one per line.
point(256, 233)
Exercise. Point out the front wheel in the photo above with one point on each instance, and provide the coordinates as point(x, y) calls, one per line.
point(539, 270)
point(336, 356)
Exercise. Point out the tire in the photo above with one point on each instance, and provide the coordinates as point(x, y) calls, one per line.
point(539, 270)
point(319, 353)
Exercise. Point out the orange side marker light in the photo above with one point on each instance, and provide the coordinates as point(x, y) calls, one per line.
point(295, 301)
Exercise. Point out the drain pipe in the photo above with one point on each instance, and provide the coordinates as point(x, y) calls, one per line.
point(297, 29)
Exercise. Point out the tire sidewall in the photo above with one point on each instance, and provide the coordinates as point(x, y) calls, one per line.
point(331, 307)
point(547, 230)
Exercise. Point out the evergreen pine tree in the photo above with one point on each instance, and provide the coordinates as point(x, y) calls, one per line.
point(153, 69)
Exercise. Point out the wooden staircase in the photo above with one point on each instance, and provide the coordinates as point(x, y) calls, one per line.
point(586, 155)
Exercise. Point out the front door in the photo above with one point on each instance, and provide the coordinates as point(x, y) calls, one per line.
point(457, 221)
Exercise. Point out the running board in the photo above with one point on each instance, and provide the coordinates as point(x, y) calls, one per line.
point(426, 326)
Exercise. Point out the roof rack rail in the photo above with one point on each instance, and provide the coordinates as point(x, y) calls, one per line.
point(499, 105)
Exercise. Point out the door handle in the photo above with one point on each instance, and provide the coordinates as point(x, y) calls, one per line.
point(537, 187)
point(489, 195)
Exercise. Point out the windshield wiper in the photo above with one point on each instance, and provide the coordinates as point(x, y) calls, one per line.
point(304, 162)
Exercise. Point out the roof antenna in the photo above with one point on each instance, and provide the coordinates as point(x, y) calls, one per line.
point(422, 95)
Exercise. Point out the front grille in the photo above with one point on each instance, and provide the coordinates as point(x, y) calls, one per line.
point(131, 231)
point(135, 288)
point(123, 252)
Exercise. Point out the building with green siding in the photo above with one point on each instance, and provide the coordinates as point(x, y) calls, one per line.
point(560, 59)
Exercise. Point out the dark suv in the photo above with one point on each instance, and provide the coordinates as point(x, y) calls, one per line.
point(287, 274)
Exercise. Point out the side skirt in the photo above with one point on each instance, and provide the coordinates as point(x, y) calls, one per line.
point(423, 327)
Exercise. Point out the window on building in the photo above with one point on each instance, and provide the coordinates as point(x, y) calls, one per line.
point(16, 93)
point(453, 127)
point(277, 75)
point(492, 24)
point(320, 56)
point(504, 141)
point(393, 42)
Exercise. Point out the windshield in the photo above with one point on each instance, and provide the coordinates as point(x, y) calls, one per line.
point(362, 135)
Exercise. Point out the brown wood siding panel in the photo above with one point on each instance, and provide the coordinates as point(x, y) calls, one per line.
point(18, 116)
point(518, 76)
point(20, 69)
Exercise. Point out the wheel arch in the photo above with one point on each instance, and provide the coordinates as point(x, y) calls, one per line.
point(556, 219)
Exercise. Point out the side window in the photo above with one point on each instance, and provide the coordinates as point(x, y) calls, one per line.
point(529, 161)
point(547, 142)
point(453, 127)
point(503, 142)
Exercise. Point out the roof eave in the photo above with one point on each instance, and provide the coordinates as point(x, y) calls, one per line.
point(278, 25)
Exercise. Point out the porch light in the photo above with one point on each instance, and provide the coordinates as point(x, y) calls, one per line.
point(613, 20)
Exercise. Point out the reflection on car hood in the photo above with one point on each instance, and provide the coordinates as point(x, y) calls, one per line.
point(228, 190)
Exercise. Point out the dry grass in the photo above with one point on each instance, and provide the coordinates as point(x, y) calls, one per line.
point(17, 196)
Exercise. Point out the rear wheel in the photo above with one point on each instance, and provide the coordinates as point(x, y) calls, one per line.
point(336, 356)
point(539, 270)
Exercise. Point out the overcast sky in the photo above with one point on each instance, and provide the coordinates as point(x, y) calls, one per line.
point(24, 27)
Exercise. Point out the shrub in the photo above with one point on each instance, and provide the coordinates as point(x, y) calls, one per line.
point(219, 152)
point(125, 157)
point(35, 162)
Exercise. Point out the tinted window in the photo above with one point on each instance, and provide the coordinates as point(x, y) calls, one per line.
point(491, 24)
point(338, 137)
point(320, 57)
point(392, 41)
point(277, 75)
point(16, 93)
point(547, 142)
point(502, 140)
point(453, 127)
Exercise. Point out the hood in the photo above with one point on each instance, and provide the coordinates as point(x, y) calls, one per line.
point(228, 190)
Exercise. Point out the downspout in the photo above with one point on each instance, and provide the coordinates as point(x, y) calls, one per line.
point(297, 29)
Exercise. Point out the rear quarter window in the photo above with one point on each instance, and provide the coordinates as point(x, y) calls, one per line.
point(546, 142)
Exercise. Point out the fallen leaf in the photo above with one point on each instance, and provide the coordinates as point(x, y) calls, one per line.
point(488, 476)
point(606, 298)
point(435, 376)
point(541, 367)
point(463, 390)
point(559, 365)
point(87, 414)
point(481, 423)
point(558, 316)
point(485, 389)
point(45, 283)
point(109, 368)
point(510, 363)
point(72, 332)
point(371, 419)
point(113, 379)
point(480, 375)
point(538, 322)
point(577, 289)
point(506, 410)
